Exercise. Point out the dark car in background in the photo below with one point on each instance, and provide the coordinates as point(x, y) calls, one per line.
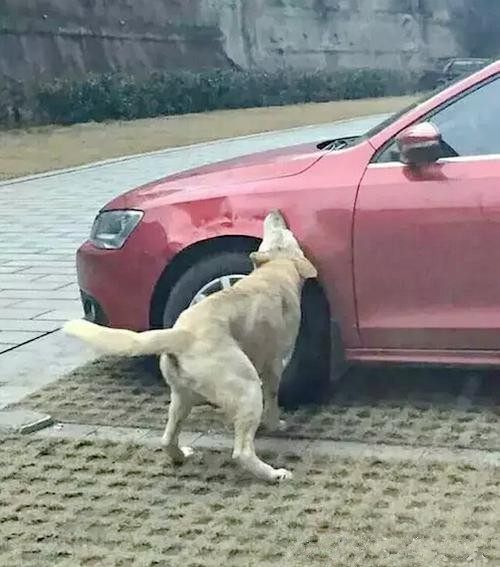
point(457, 68)
point(454, 69)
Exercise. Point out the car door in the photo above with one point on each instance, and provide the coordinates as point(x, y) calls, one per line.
point(427, 239)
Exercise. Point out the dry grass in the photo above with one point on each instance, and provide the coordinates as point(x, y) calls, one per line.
point(23, 152)
point(439, 408)
point(103, 503)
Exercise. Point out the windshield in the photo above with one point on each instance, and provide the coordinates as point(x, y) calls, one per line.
point(393, 117)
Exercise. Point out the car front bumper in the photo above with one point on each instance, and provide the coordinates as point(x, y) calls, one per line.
point(117, 286)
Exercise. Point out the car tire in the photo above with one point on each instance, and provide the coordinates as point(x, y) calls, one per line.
point(307, 374)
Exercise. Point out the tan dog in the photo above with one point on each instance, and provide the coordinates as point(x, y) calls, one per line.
point(229, 348)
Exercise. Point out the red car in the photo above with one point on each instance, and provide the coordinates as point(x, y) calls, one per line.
point(403, 224)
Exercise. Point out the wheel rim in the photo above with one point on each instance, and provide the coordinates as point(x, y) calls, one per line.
point(219, 284)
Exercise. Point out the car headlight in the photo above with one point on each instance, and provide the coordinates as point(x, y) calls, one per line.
point(112, 228)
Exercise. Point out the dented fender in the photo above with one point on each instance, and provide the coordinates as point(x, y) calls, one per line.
point(317, 203)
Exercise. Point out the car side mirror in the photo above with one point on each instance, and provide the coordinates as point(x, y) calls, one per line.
point(419, 144)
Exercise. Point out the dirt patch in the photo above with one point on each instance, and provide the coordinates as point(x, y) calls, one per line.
point(43, 149)
point(437, 408)
point(90, 503)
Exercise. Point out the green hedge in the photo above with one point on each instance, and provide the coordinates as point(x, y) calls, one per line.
point(119, 96)
point(14, 104)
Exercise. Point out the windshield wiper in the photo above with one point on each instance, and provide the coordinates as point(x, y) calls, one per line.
point(338, 143)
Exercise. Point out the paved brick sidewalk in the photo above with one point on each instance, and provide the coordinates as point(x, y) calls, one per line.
point(44, 219)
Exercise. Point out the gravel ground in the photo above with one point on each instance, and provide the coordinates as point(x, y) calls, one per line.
point(439, 408)
point(72, 503)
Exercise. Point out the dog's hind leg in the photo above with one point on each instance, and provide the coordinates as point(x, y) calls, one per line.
point(247, 418)
point(180, 406)
point(271, 376)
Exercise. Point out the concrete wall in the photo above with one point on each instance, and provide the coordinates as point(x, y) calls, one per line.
point(61, 37)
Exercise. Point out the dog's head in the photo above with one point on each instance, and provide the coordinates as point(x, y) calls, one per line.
point(279, 242)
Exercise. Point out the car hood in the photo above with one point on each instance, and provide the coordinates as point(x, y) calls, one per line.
point(272, 164)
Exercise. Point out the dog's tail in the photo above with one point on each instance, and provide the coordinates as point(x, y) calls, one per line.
point(121, 342)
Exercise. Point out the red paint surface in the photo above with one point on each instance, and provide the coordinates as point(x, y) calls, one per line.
point(410, 259)
point(427, 256)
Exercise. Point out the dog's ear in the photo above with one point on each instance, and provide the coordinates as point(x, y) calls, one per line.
point(305, 268)
point(259, 258)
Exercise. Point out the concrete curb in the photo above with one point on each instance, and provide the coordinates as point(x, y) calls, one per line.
point(111, 161)
point(342, 449)
point(23, 421)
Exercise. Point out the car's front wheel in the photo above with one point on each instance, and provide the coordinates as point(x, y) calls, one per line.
point(306, 369)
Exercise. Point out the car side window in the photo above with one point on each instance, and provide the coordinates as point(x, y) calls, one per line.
point(469, 126)
point(389, 154)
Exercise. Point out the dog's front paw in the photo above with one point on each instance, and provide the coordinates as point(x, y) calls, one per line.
point(282, 425)
point(273, 426)
point(187, 452)
point(178, 454)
